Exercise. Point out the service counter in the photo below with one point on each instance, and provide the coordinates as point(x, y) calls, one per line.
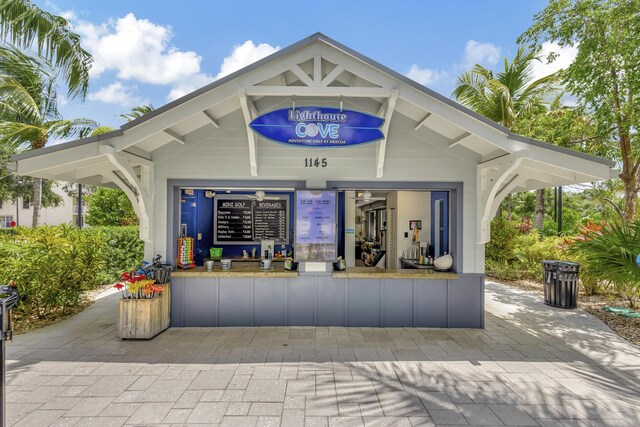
point(367, 297)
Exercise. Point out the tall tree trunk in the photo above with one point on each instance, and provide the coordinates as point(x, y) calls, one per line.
point(539, 215)
point(37, 201)
point(630, 198)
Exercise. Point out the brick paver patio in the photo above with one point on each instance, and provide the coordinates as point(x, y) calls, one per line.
point(532, 365)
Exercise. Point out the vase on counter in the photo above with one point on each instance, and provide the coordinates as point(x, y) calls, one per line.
point(444, 262)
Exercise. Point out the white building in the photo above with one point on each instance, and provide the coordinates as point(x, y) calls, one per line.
point(188, 164)
point(22, 211)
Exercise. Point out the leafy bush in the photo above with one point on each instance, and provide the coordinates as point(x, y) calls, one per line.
point(110, 207)
point(123, 250)
point(504, 234)
point(531, 249)
point(51, 266)
point(610, 257)
point(512, 255)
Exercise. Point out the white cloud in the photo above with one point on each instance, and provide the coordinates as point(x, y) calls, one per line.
point(117, 93)
point(480, 53)
point(565, 57)
point(243, 55)
point(68, 14)
point(189, 85)
point(475, 52)
point(425, 76)
point(137, 49)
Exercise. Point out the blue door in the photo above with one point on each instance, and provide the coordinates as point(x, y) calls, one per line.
point(439, 223)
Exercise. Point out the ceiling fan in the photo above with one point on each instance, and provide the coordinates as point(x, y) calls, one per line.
point(260, 196)
point(366, 197)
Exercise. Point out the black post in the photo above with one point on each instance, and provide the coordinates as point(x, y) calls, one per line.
point(555, 203)
point(559, 210)
point(79, 205)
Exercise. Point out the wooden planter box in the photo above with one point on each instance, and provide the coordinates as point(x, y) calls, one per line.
point(144, 318)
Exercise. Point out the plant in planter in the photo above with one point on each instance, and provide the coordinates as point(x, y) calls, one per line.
point(135, 285)
point(143, 311)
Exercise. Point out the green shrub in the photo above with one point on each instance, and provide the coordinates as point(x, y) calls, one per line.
point(610, 257)
point(512, 255)
point(51, 266)
point(110, 207)
point(531, 249)
point(503, 236)
point(123, 250)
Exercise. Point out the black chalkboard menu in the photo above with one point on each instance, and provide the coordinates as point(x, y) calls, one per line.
point(240, 220)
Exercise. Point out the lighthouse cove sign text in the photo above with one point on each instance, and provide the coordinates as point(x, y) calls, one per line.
point(318, 127)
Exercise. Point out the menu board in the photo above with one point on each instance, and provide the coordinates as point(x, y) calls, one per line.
point(315, 226)
point(239, 220)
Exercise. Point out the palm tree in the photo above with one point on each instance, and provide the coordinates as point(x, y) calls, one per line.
point(29, 114)
point(137, 112)
point(507, 96)
point(28, 27)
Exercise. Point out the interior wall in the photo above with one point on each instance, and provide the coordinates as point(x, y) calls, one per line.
point(392, 224)
point(360, 227)
point(350, 223)
point(412, 205)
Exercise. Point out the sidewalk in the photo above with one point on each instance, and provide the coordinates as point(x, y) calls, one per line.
point(532, 365)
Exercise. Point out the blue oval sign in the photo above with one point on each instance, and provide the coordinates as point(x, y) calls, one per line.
point(318, 127)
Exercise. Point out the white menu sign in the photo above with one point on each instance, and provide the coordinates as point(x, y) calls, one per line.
point(315, 226)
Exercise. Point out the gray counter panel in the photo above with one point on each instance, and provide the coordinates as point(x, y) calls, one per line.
point(202, 299)
point(324, 300)
point(431, 303)
point(397, 302)
point(331, 301)
point(301, 300)
point(364, 302)
point(177, 301)
point(235, 306)
point(465, 302)
point(270, 297)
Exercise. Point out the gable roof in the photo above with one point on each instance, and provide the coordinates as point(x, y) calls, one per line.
point(292, 48)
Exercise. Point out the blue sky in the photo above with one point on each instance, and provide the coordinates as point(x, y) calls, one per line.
point(152, 51)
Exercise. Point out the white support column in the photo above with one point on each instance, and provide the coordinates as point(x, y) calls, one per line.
point(249, 113)
point(382, 144)
point(508, 187)
point(133, 187)
point(491, 177)
point(317, 70)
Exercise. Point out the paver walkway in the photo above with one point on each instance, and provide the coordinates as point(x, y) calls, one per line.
point(532, 365)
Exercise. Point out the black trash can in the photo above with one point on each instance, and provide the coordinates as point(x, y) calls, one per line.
point(561, 283)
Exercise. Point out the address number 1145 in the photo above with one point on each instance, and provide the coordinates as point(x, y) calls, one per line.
point(317, 162)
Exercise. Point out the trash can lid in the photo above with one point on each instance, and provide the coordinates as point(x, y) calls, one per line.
point(8, 297)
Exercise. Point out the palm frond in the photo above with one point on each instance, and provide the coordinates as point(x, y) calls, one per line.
point(76, 128)
point(26, 25)
point(21, 135)
point(17, 101)
point(137, 112)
